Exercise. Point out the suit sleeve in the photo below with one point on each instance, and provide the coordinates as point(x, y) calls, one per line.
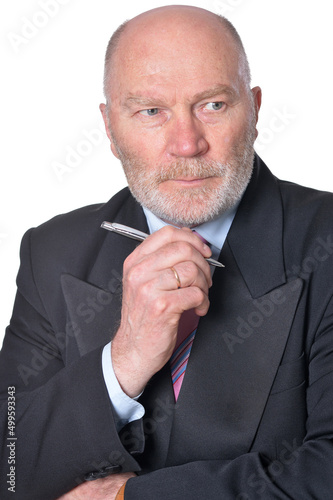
point(304, 472)
point(64, 421)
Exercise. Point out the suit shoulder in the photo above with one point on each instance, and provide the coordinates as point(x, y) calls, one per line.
point(307, 204)
point(81, 219)
point(74, 234)
point(307, 215)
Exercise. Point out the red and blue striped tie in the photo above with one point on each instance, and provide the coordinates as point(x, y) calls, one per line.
point(186, 331)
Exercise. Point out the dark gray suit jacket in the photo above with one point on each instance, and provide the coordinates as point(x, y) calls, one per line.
point(254, 418)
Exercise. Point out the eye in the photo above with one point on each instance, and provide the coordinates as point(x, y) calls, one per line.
point(149, 112)
point(215, 106)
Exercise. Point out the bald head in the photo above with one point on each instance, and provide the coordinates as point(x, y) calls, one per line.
point(162, 25)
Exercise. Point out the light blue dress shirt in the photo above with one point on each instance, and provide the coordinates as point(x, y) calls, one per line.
point(126, 408)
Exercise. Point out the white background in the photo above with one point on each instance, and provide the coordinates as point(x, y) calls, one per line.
point(51, 86)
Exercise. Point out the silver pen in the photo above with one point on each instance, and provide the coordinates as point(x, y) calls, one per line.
point(135, 234)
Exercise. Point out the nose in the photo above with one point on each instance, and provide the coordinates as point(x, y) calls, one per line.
point(186, 137)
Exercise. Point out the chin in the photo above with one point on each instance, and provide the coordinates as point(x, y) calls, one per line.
point(188, 215)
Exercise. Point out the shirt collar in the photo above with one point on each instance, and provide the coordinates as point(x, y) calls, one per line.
point(215, 231)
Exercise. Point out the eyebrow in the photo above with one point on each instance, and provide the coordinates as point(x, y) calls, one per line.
point(143, 101)
point(155, 101)
point(217, 90)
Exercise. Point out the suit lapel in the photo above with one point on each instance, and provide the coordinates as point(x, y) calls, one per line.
point(256, 235)
point(94, 303)
point(93, 311)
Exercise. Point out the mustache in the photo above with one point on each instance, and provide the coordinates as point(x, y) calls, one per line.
point(193, 167)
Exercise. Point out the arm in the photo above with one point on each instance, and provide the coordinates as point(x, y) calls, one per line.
point(125, 408)
point(63, 409)
point(304, 471)
point(139, 352)
point(60, 410)
point(109, 488)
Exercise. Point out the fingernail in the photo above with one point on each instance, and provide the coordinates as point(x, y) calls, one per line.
point(207, 249)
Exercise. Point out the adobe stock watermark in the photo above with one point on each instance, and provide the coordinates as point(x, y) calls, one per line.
point(225, 7)
point(163, 410)
point(320, 253)
point(75, 154)
point(3, 237)
point(40, 358)
point(86, 311)
point(265, 307)
point(265, 477)
point(92, 306)
point(32, 26)
point(277, 124)
point(132, 439)
point(246, 327)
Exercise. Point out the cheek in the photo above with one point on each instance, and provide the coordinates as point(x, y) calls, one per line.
point(235, 135)
point(228, 142)
point(149, 147)
point(227, 139)
point(222, 142)
point(133, 141)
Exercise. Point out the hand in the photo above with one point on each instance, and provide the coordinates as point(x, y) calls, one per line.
point(152, 303)
point(100, 489)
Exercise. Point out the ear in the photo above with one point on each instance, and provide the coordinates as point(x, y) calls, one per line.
point(103, 110)
point(257, 95)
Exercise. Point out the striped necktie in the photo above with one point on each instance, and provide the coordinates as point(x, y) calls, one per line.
point(186, 331)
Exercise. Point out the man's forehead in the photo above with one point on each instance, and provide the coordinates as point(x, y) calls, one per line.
point(171, 30)
point(175, 58)
point(201, 77)
point(175, 52)
point(172, 16)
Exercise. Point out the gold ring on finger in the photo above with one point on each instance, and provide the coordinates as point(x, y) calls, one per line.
point(179, 285)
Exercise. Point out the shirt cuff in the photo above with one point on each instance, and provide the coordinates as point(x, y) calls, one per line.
point(126, 408)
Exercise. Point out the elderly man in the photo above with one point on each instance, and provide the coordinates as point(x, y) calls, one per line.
point(219, 381)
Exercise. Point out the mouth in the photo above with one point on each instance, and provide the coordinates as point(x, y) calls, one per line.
point(190, 181)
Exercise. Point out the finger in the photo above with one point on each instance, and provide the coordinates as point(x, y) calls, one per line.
point(182, 276)
point(181, 254)
point(170, 234)
point(191, 298)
